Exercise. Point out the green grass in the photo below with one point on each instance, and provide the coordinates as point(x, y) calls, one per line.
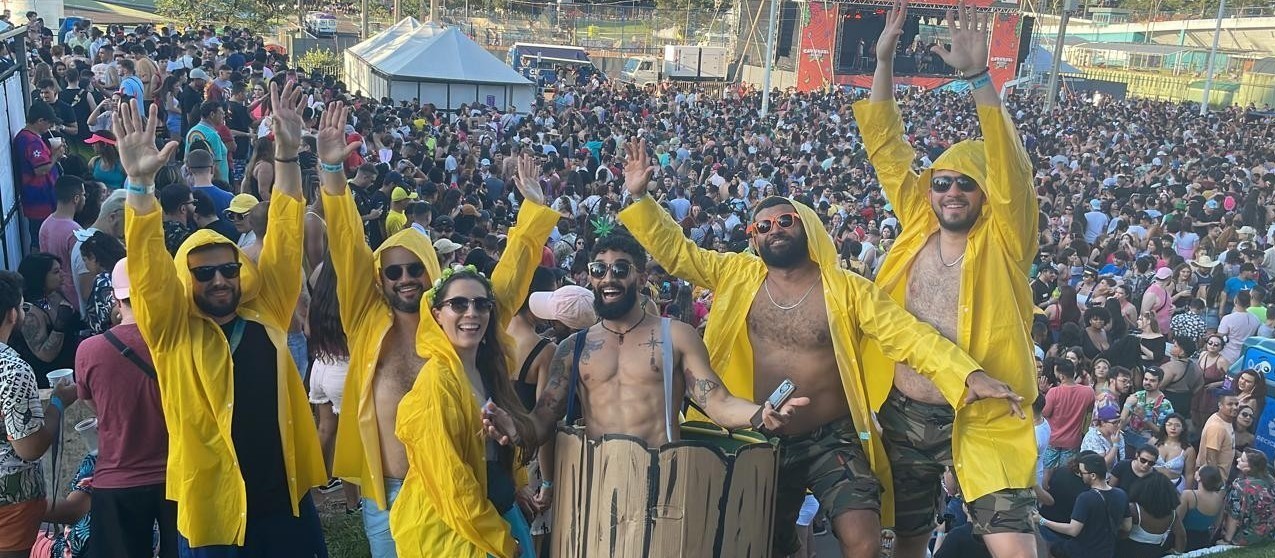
point(1267, 551)
point(344, 532)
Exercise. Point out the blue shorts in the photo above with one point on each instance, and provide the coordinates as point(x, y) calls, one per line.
point(282, 536)
point(1057, 457)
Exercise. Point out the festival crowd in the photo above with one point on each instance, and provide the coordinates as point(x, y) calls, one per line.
point(284, 236)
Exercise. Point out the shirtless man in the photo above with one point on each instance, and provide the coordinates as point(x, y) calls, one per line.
point(621, 367)
point(381, 315)
point(794, 313)
point(961, 266)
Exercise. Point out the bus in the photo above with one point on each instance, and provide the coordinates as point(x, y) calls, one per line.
point(320, 24)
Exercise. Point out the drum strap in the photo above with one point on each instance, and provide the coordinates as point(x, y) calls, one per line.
point(572, 413)
point(666, 338)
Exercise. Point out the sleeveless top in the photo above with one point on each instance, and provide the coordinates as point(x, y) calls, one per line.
point(112, 178)
point(1177, 465)
point(1139, 535)
point(1196, 520)
point(1212, 372)
point(527, 390)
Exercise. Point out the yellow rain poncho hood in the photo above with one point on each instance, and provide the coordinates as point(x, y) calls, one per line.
point(856, 310)
point(442, 509)
point(995, 304)
point(196, 379)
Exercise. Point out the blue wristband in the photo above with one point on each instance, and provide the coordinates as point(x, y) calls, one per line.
point(135, 188)
point(58, 404)
point(332, 168)
point(980, 81)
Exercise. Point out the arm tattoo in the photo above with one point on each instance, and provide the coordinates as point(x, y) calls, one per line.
point(554, 398)
point(701, 388)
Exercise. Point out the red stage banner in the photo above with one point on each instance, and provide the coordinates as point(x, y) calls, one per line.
point(818, 39)
point(1002, 58)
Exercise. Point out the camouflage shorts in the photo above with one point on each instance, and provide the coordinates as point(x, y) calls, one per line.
point(918, 440)
point(1004, 511)
point(830, 462)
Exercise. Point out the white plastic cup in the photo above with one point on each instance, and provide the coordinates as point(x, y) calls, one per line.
point(87, 429)
point(55, 377)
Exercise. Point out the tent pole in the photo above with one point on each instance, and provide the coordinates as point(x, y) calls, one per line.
point(433, 11)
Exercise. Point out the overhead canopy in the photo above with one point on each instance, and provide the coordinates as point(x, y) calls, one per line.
point(378, 41)
point(436, 53)
point(1042, 60)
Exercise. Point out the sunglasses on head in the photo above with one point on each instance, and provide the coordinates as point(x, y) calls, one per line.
point(461, 304)
point(619, 270)
point(394, 272)
point(764, 226)
point(205, 273)
point(941, 184)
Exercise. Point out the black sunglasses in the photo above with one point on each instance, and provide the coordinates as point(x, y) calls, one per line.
point(205, 273)
point(461, 304)
point(231, 215)
point(619, 270)
point(394, 272)
point(941, 184)
point(1146, 461)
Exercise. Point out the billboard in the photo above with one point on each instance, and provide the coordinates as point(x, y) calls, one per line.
point(818, 39)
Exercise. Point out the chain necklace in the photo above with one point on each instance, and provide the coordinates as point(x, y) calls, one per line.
point(954, 262)
point(622, 333)
point(766, 285)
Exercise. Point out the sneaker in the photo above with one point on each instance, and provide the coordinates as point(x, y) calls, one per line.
point(333, 485)
point(820, 528)
point(358, 508)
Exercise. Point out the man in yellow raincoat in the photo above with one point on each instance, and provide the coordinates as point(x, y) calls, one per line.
point(243, 451)
point(792, 312)
point(960, 264)
point(406, 434)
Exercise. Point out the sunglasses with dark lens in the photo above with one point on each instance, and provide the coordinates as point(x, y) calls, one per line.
point(941, 184)
point(235, 216)
point(1246, 415)
point(619, 270)
point(764, 226)
point(461, 304)
point(205, 273)
point(394, 272)
point(1146, 461)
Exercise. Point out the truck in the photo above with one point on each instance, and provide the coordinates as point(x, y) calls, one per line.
point(541, 63)
point(680, 63)
point(320, 24)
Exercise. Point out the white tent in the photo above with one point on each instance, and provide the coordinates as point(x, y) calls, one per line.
point(435, 64)
point(387, 35)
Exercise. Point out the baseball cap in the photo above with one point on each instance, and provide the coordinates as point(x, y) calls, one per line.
point(242, 203)
point(199, 159)
point(444, 246)
point(119, 279)
point(1163, 273)
point(400, 194)
point(199, 73)
point(1107, 413)
point(485, 162)
point(572, 305)
point(41, 110)
point(1096, 205)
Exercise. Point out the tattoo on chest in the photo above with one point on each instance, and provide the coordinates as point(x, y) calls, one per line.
point(656, 345)
point(590, 345)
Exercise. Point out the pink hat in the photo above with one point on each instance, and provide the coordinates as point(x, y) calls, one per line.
point(119, 279)
point(571, 305)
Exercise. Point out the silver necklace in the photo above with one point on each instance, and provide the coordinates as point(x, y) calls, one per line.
point(954, 262)
point(766, 285)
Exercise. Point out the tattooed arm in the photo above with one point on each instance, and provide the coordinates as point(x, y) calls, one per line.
point(705, 388)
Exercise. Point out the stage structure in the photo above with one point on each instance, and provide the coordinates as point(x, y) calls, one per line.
point(825, 44)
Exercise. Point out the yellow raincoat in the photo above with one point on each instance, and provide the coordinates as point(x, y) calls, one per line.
point(196, 382)
point(991, 449)
point(442, 509)
point(857, 310)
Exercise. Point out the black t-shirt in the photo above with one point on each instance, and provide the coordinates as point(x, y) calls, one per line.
point(961, 543)
point(225, 228)
point(1127, 478)
point(1064, 487)
point(81, 102)
point(189, 99)
point(239, 120)
point(1102, 513)
point(1041, 291)
point(257, 444)
point(367, 200)
point(66, 113)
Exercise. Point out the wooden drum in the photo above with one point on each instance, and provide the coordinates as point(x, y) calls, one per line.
point(712, 494)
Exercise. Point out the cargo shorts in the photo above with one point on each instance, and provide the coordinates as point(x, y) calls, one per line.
point(830, 462)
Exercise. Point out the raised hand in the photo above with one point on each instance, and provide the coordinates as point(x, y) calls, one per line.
point(888, 42)
point(528, 181)
point(637, 167)
point(333, 150)
point(286, 121)
point(136, 143)
point(774, 420)
point(969, 40)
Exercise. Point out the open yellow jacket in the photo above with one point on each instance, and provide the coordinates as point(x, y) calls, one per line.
point(196, 382)
point(442, 509)
point(991, 449)
point(856, 310)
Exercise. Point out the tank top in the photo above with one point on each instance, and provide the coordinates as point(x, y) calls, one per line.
point(1196, 520)
point(1139, 535)
point(1177, 465)
point(112, 178)
point(526, 390)
point(1212, 372)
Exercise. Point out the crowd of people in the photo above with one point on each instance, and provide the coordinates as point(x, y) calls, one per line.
point(284, 236)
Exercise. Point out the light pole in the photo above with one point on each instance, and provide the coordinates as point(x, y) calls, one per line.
point(1208, 79)
point(770, 57)
point(1052, 89)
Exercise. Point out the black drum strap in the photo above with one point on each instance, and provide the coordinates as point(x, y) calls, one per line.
point(574, 414)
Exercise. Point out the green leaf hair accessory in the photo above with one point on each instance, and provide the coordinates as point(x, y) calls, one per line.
point(603, 226)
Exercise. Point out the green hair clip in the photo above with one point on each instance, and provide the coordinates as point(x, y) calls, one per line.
point(446, 275)
point(603, 226)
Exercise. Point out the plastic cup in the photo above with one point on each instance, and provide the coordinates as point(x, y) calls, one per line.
point(55, 377)
point(87, 429)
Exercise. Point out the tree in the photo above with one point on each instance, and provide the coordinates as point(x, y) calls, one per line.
point(320, 59)
point(255, 15)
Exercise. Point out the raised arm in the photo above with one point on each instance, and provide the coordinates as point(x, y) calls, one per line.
point(351, 257)
point(157, 296)
point(659, 234)
point(281, 254)
point(512, 276)
point(1010, 197)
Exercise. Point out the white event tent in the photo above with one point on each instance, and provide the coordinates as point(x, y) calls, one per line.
point(436, 64)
